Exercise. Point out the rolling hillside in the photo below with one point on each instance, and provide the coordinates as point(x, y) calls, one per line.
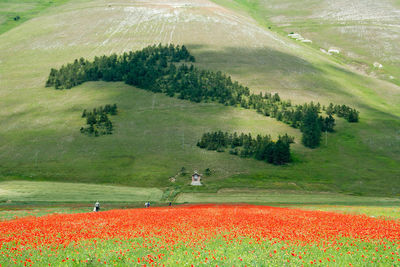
point(156, 135)
point(366, 33)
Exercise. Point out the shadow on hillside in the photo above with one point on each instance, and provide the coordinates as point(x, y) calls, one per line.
point(269, 59)
point(266, 67)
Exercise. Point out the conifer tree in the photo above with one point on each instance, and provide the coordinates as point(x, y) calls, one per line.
point(352, 115)
point(311, 128)
point(329, 123)
point(281, 153)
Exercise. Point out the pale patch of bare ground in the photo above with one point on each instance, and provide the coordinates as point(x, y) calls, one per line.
point(125, 24)
point(364, 30)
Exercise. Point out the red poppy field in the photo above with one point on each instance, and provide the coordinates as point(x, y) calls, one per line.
point(217, 235)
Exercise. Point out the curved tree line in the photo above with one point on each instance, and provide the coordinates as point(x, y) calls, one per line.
point(162, 69)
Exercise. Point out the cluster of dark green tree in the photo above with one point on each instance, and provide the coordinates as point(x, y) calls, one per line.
point(141, 68)
point(306, 117)
point(98, 121)
point(244, 145)
point(157, 68)
point(350, 114)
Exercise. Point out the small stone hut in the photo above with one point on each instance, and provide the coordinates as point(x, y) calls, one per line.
point(196, 179)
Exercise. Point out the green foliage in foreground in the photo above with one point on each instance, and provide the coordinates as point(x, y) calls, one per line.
point(224, 250)
point(261, 147)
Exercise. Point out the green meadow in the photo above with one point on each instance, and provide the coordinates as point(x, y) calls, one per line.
point(20, 198)
point(47, 166)
point(14, 13)
point(25, 191)
point(155, 136)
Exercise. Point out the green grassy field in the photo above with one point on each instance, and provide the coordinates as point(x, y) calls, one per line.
point(9, 212)
point(275, 197)
point(24, 9)
point(155, 135)
point(387, 212)
point(25, 198)
point(349, 204)
point(24, 191)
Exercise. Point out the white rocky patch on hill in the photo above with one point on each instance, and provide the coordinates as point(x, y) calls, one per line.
point(378, 65)
point(344, 10)
point(298, 37)
point(333, 51)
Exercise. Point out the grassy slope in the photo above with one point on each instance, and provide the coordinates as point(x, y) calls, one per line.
point(25, 9)
point(155, 135)
point(364, 31)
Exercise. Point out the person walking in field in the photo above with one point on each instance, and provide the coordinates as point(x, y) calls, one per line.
point(96, 206)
